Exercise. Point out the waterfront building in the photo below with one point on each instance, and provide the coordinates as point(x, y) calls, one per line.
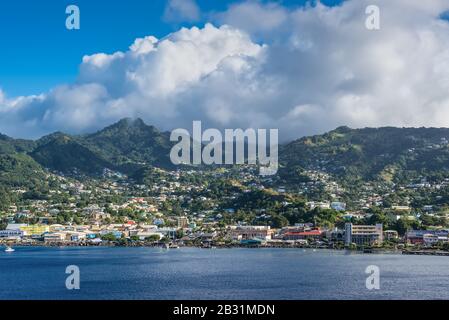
point(315, 234)
point(363, 234)
point(74, 236)
point(55, 237)
point(251, 232)
point(29, 230)
point(168, 232)
point(142, 235)
point(11, 234)
point(417, 236)
point(432, 239)
point(146, 231)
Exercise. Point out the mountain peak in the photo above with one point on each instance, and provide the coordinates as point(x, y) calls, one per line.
point(130, 122)
point(342, 129)
point(128, 125)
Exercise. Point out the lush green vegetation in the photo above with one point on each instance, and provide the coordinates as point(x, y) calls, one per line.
point(387, 154)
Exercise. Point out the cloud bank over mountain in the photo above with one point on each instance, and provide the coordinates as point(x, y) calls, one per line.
point(304, 70)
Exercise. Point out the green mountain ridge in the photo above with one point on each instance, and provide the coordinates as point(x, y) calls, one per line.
point(125, 146)
point(387, 153)
point(130, 146)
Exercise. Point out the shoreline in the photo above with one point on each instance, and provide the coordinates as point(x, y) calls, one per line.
point(433, 252)
point(233, 246)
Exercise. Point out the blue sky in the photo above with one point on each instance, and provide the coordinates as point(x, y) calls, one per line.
point(38, 52)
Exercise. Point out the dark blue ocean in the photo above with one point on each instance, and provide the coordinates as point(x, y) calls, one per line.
point(190, 273)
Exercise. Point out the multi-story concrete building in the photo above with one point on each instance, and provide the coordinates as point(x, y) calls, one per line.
point(363, 234)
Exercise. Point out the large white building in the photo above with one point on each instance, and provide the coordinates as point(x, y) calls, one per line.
point(363, 234)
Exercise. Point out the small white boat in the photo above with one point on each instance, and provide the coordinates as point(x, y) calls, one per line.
point(9, 249)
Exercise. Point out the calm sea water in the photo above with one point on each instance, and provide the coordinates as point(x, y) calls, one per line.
point(190, 273)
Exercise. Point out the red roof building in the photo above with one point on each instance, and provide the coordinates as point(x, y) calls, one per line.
point(315, 234)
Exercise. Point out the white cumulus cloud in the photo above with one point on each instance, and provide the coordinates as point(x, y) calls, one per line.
point(303, 70)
